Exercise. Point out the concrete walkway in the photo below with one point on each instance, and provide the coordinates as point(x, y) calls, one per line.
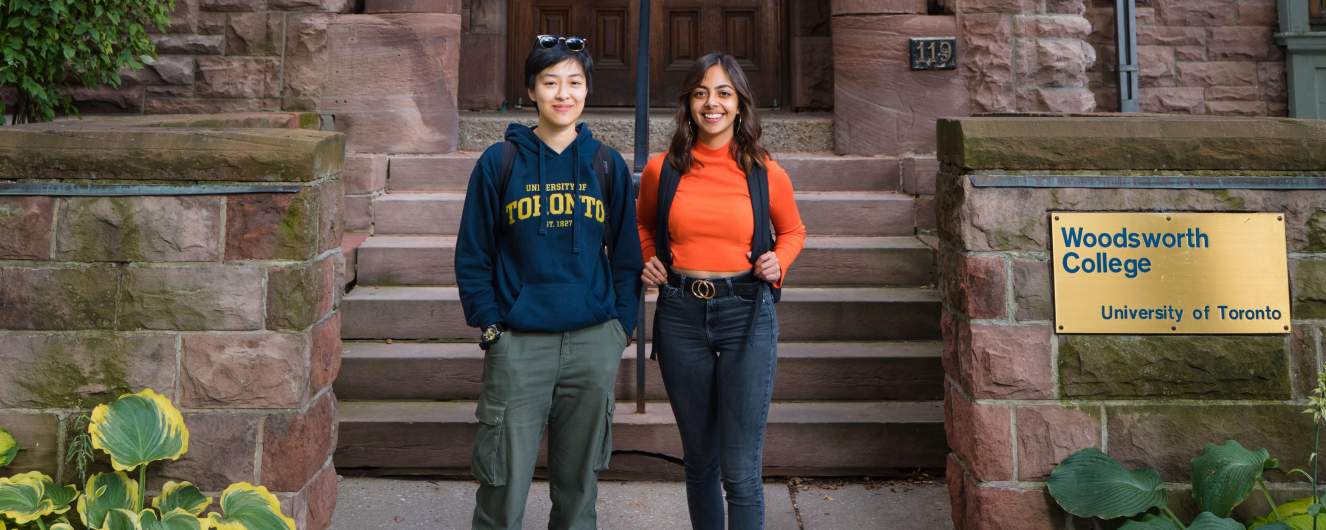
point(406, 504)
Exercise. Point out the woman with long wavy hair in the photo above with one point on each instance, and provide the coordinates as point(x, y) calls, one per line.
point(709, 211)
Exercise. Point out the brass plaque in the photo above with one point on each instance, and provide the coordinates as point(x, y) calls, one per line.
point(1173, 273)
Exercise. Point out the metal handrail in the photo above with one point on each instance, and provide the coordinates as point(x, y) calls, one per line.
point(641, 156)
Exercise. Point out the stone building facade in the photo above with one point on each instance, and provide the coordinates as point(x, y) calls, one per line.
point(1196, 57)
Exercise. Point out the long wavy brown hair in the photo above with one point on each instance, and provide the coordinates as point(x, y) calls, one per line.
point(746, 149)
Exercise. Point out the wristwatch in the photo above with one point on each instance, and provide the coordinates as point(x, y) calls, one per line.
point(490, 335)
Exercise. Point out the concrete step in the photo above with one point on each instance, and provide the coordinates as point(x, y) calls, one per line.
point(868, 438)
point(805, 314)
point(809, 172)
point(885, 371)
point(845, 213)
point(782, 131)
point(826, 260)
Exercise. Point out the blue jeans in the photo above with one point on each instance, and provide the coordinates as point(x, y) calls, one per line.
point(719, 386)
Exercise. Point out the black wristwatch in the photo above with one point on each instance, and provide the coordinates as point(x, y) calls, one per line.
point(490, 335)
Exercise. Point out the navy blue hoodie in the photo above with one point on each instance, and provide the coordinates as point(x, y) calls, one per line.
point(533, 258)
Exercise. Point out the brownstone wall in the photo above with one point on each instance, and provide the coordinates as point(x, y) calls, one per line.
point(1196, 57)
point(1020, 397)
point(226, 303)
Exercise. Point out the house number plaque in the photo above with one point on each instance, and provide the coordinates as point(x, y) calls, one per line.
point(934, 53)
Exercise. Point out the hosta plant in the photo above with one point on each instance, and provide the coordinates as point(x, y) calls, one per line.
point(1091, 484)
point(135, 430)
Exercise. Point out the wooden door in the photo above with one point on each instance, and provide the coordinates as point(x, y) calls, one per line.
point(609, 26)
point(681, 31)
point(749, 30)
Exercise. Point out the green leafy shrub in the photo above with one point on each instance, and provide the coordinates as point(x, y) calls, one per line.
point(46, 45)
point(135, 430)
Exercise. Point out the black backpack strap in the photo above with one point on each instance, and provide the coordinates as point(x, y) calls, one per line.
point(603, 170)
point(668, 181)
point(508, 162)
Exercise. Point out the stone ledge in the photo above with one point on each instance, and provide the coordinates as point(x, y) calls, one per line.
point(170, 154)
point(1132, 142)
point(232, 120)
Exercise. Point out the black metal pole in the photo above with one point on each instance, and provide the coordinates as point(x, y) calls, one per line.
point(641, 156)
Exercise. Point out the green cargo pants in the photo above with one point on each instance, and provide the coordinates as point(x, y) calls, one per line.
point(565, 381)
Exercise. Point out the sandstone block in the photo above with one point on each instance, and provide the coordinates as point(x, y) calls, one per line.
point(1171, 36)
point(1218, 73)
point(193, 297)
point(980, 435)
point(297, 445)
point(1308, 288)
point(232, 5)
point(976, 285)
point(1197, 13)
point(1190, 100)
point(271, 226)
point(184, 18)
point(331, 224)
point(1167, 437)
point(38, 438)
point(1306, 348)
point(221, 452)
point(189, 44)
point(139, 229)
point(65, 298)
point(1008, 362)
point(878, 7)
point(358, 213)
point(262, 370)
point(1193, 367)
point(312, 507)
point(1236, 108)
point(1032, 290)
point(325, 353)
point(255, 33)
point(330, 6)
point(305, 60)
point(25, 227)
point(188, 105)
point(299, 295)
point(384, 101)
point(988, 53)
point(83, 369)
point(1047, 434)
point(1001, 508)
point(177, 70)
point(1255, 43)
point(1157, 65)
point(413, 6)
point(872, 114)
point(239, 77)
point(365, 174)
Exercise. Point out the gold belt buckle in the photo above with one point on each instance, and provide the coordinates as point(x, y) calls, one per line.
point(703, 289)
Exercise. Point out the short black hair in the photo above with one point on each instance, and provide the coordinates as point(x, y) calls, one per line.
point(540, 59)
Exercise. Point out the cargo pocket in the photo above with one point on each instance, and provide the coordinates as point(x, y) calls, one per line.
point(489, 460)
point(605, 445)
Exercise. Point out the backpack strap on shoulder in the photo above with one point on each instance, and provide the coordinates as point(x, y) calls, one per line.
point(508, 163)
point(668, 181)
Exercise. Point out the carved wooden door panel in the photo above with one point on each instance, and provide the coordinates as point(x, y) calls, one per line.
point(608, 24)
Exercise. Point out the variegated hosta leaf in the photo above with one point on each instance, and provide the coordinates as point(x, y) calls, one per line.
point(23, 499)
point(56, 526)
point(104, 493)
point(139, 428)
point(176, 519)
point(8, 448)
point(121, 519)
point(246, 507)
point(60, 496)
point(182, 495)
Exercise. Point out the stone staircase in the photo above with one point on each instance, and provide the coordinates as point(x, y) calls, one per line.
point(859, 385)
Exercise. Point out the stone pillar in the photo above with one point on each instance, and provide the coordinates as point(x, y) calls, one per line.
point(880, 105)
point(390, 79)
point(1026, 55)
point(1020, 398)
point(225, 302)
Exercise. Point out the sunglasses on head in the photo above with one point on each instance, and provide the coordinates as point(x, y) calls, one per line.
point(574, 44)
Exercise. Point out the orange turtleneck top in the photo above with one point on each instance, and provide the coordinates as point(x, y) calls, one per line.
point(711, 222)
